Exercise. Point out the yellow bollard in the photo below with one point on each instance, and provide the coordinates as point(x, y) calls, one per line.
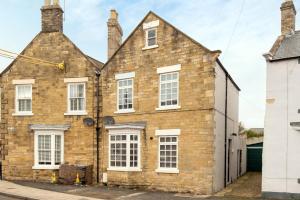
point(77, 181)
point(53, 178)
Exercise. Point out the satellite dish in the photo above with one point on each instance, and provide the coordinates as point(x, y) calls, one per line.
point(108, 120)
point(88, 121)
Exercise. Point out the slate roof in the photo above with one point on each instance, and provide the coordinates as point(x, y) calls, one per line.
point(286, 47)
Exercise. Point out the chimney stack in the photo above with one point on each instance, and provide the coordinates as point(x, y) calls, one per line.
point(52, 16)
point(288, 17)
point(115, 33)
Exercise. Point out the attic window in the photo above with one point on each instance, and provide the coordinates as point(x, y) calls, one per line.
point(151, 37)
point(150, 34)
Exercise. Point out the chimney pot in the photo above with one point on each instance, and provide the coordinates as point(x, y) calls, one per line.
point(55, 2)
point(47, 2)
point(113, 14)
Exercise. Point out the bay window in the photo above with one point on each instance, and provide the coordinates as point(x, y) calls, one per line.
point(48, 149)
point(124, 150)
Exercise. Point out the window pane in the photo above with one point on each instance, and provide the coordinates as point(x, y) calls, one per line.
point(44, 149)
point(125, 90)
point(57, 150)
point(168, 152)
point(76, 95)
point(169, 89)
point(151, 33)
point(133, 151)
point(119, 156)
point(118, 151)
point(24, 91)
point(151, 41)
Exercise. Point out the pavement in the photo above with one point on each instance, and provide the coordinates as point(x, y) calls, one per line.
point(246, 188)
point(17, 191)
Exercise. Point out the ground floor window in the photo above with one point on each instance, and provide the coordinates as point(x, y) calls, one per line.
point(48, 149)
point(124, 150)
point(168, 150)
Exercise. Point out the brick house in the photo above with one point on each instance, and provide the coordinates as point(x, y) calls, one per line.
point(168, 107)
point(43, 107)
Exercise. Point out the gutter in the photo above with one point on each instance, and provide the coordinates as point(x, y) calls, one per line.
point(97, 122)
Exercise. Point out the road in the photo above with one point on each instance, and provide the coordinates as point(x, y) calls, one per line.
point(7, 198)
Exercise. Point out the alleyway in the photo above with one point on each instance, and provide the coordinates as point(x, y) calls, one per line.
point(248, 185)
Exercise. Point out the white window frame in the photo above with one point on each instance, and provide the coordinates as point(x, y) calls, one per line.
point(168, 133)
point(18, 84)
point(165, 70)
point(130, 110)
point(147, 38)
point(153, 25)
point(52, 133)
point(123, 76)
point(126, 132)
point(69, 111)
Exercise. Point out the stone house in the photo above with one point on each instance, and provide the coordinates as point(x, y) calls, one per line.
point(170, 112)
point(43, 106)
point(282, 124)
point(169, 109)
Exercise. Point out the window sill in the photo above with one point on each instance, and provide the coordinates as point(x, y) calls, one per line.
point(22, 114)
point(125, 111)
point(167, 171)
point(150, 47)
point(50, 167)
point(124, 169)
point(75, 113)
point(168, 108)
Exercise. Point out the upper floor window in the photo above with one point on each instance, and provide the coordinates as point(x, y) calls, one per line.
point(125, 94)
point(76, 93)
point(151, 37)
point(169, 87)
point(150, 29)
point(76, 96)
point(24, 98)
point(125, 85)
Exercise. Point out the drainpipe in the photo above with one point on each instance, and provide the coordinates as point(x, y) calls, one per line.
point(97, 122)
point(226, 105)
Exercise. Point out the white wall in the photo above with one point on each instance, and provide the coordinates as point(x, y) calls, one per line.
point(232, 127)
point(281, 152)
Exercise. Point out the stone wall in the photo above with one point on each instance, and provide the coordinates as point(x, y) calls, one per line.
point(49, 103)
point(194, 118)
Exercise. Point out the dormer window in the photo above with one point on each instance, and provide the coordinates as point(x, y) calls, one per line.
point(150, 29)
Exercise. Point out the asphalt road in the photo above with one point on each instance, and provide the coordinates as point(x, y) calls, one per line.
point(7, 198)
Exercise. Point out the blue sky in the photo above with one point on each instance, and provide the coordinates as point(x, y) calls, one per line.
point(211, 22)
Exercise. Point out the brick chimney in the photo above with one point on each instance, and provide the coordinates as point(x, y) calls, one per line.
point(115, 33)
point(288, 17)
point(52, 16)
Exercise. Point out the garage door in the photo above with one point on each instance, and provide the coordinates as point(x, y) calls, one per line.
point(254, 157)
